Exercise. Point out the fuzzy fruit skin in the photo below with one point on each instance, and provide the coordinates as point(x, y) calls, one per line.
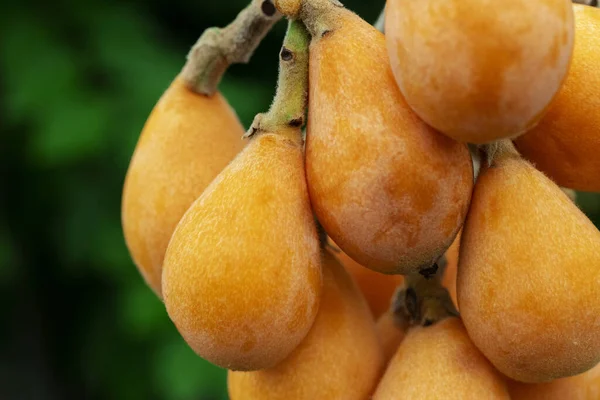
point(566, 143)
point(242, 291)
point(390, 334)
point(341, 358)
point(187, 140)
point(389, 190)
point(377, 288)
point(584, 386)
point(440, 362)
point(477, 70)
point(449, 280)
point(529, 275)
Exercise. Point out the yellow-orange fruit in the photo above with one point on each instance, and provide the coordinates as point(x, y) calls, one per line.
point(187, 140)
point(377, 288)
point(479, 70)
point(242, 277)
point(341, 357)
point(566, 143)
point(390, 334)
point(440, 362)
point(449, 280)
point(584, 386)
point(389, 190)
point(529, 275)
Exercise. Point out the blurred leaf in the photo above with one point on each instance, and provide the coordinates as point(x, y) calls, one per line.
point(115, 366)
point(133, 55)
point(182, 375)
point(590, 204)
point(37, 68)
point(7, 268)
point(141, 67)
point(71, 131)
point(81, 215)
point(109, 251)
point(142, 313)
point(90, 230)
point(237, 93)
point(45, 89)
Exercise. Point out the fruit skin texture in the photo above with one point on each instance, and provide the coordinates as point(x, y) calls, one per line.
point(390, 334)
point(377, 288)
point(341, 357)
point(440, 362)
point(242, 292)
point(566, 143)
point(450, 274)
point(529, 275)
point(187, 140)
point(479, 70)
point(585, 386)
point(389, 190)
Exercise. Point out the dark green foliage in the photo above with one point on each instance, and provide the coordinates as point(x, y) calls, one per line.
point(78, 81)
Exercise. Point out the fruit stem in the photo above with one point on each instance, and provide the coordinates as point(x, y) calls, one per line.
point(218, 48)
point(424, 301)
point(319, 16)
point(499, 149)
point(289, 105)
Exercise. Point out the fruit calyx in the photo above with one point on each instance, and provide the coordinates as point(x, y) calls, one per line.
point(422, 300)
point(320, 16)
point(287, 112)
point(218, 48)
point(499, 150)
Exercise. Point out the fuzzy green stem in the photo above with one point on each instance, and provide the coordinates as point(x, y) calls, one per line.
point(289, 106)
point(218, 48)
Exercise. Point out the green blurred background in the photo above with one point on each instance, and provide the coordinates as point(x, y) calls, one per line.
point(78, 81)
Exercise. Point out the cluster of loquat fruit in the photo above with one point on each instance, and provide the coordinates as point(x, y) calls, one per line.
point(333, 263)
